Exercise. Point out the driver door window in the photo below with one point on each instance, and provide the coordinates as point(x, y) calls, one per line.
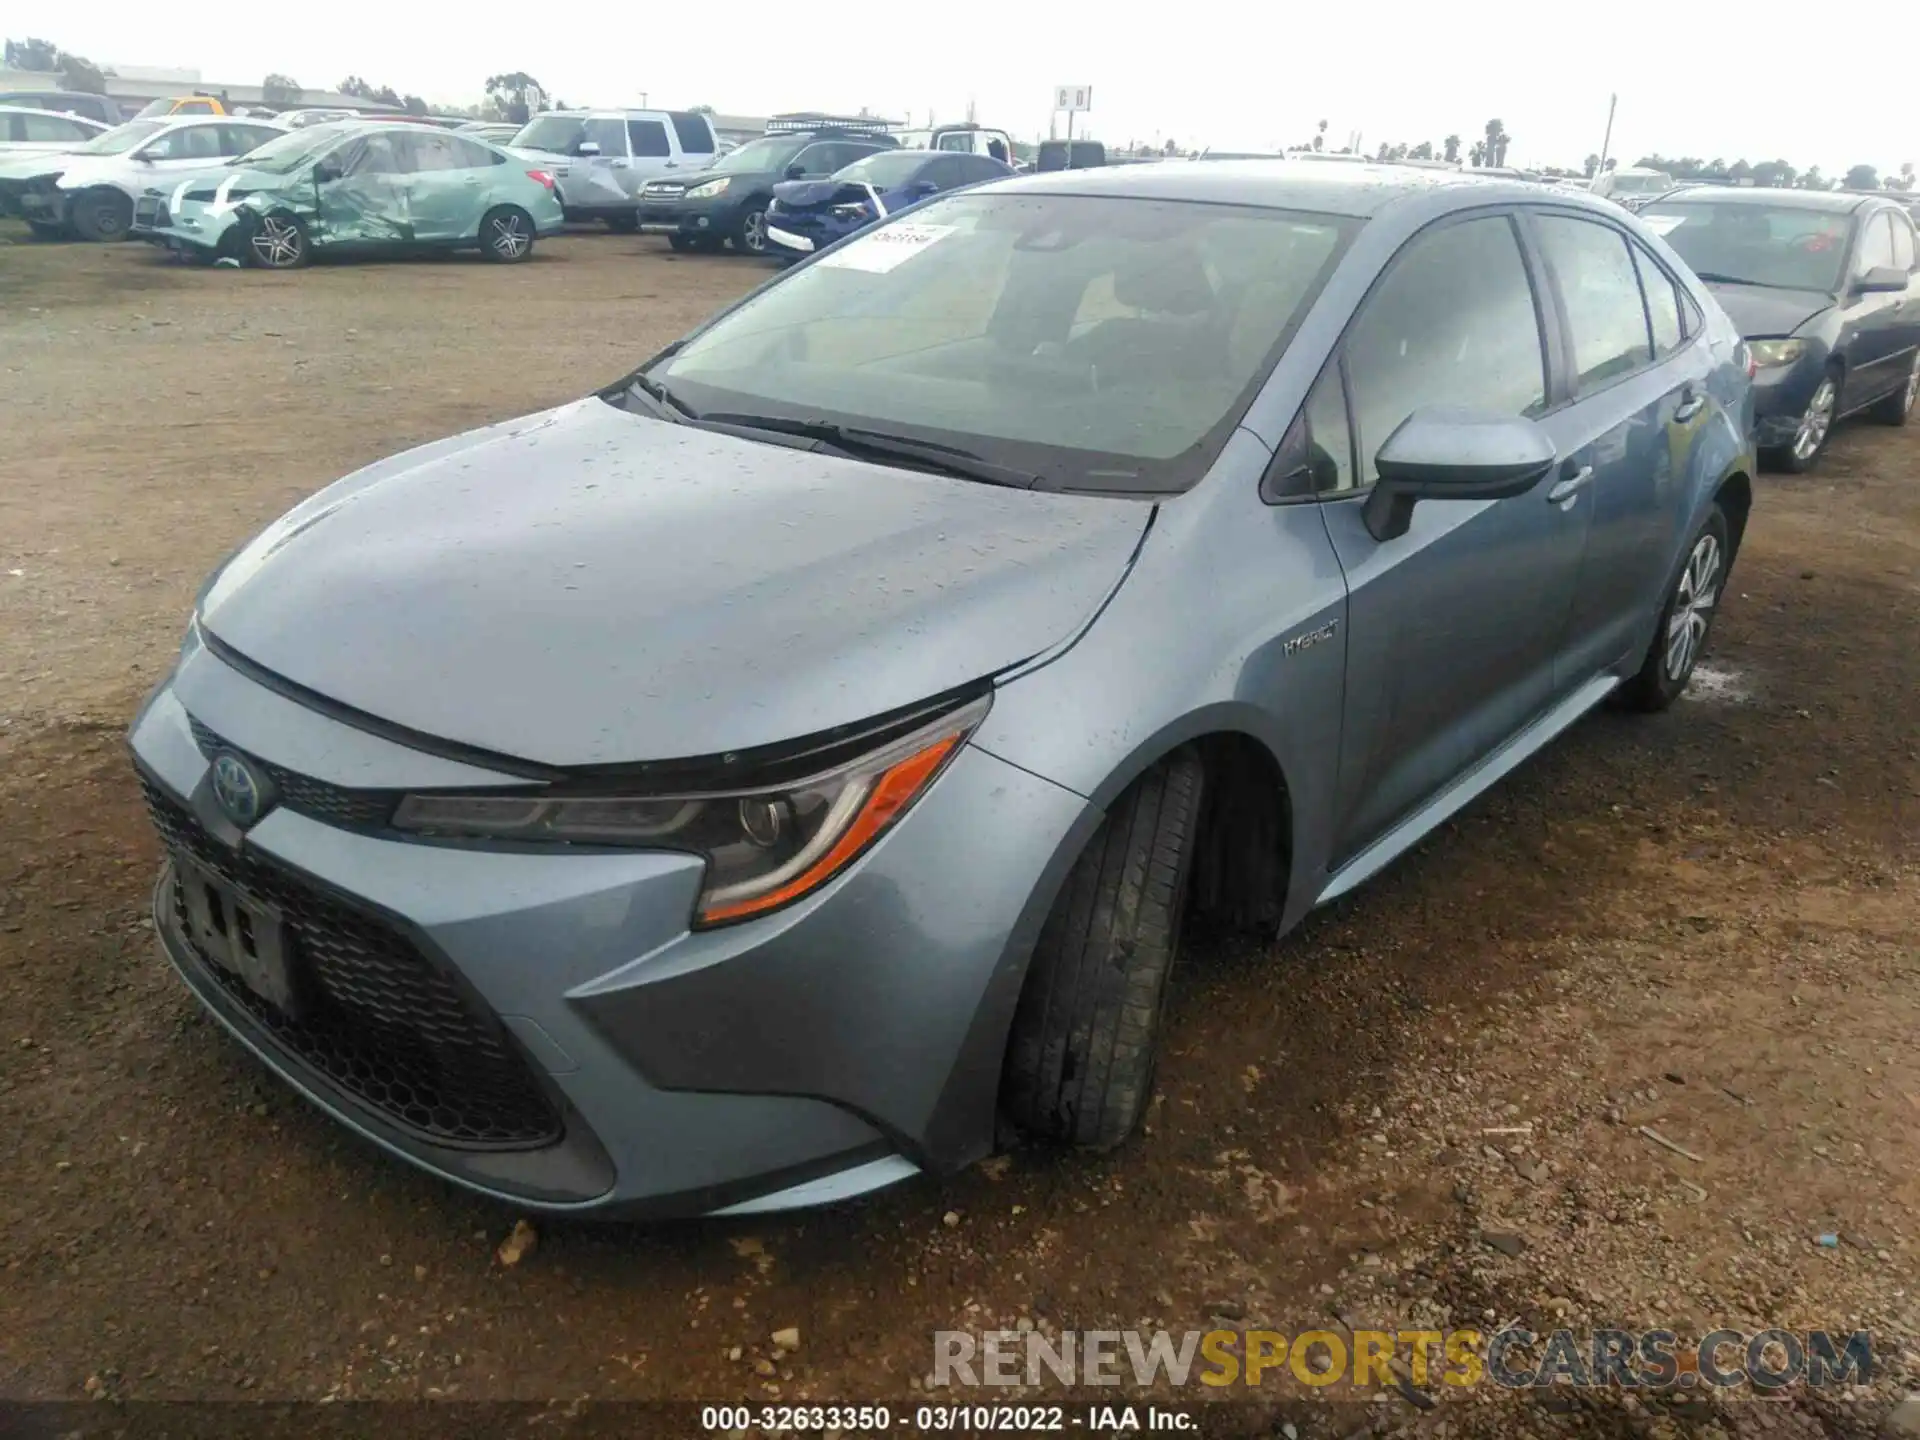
point(1876, 246)
point(1453, 323)
point(609, 135)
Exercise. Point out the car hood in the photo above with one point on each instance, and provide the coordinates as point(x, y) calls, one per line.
point(588, 586)
point(1759, 310)
point(804, 194)
point(31, 167)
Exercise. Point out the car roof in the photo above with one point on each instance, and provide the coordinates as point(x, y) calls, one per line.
point(1359, 190)
point(55, 114)
point(1833, 202)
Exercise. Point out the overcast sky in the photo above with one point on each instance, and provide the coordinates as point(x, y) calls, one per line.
point(1692, 78)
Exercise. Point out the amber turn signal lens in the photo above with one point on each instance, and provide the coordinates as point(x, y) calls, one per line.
point(892, 792)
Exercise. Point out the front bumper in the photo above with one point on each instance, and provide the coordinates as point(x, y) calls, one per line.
point(43, 207)
point(697, 219)
point(1781, 394)
point(836, 1046)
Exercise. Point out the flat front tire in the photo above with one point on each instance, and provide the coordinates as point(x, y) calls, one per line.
point(1080, 1058)
point(1800, 454)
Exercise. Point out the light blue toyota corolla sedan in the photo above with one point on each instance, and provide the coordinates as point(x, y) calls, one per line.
point(737, 789)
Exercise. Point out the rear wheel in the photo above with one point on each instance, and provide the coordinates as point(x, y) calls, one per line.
point(1686, 620)
point(506, 235)
point(1080, 1057)
point(750, 235)
point(1895, 409)
point(102, 216)
point(278, 242)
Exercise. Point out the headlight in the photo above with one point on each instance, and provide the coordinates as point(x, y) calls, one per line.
point(1776, 352)
point(764, 848)
point(707, 189)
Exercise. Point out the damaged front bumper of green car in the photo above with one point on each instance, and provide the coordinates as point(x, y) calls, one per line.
point(201, 228)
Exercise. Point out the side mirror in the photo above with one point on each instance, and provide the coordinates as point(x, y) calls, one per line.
point(1880, 280)
point(326, 171)
point(587, 149)
point(796, 172)
point(1453, 454)
point(920, 189)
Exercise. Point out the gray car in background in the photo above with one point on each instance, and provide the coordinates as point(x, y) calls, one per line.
point(739, 789)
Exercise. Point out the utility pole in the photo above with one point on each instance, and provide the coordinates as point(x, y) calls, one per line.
point(1607, 139)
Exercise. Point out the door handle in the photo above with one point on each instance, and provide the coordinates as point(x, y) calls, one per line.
point(1691, 404)
point(618, 164)
point(1569, 486)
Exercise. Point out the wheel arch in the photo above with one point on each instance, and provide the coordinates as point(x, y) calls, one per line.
point(1245, 795)
point(1734, 495)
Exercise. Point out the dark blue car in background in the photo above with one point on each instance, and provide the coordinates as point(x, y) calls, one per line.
point(809, 215)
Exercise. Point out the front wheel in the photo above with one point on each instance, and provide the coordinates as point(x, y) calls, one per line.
point(1080, 1058)
point(506, 235)
point(102, 216)
point(750, 236)
point(1797, 457)
point(1686, 620)
point(279, 242)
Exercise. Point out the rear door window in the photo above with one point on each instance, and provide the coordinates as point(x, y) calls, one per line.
point(52, 129)
point(1663, 304)
point(1453, 323)
point(693, 132)
point(1601, 290)
point(649, 138)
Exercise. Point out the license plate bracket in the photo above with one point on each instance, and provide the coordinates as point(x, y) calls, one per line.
point(241, 934)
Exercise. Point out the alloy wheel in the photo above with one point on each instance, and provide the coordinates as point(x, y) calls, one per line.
point(278, 243)
point(753, 231)
point(509, 237)
point(1693, 603)
point(1814, 425)
point(1913, 386)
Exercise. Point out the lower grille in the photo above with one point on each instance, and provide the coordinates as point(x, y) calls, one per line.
point(385, 1025)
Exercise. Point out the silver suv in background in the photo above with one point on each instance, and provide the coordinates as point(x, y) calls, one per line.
point(599, 159)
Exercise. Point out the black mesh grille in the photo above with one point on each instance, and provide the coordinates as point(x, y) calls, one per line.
point(384, 1024)
point(334, 804)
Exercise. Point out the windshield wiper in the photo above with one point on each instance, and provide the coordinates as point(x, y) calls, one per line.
point(1714, 277)
point(878, 445)
point(668, 405)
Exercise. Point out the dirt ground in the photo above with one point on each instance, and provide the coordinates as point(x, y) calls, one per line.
point(1702, 923)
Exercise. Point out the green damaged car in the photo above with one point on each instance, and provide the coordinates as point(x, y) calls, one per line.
point(355, 187)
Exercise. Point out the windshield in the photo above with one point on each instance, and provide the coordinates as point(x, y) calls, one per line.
point(1099, 343)
point(285, 153)
point(769, 152)
point(121, 138)
point(884, 169)
point(1783, 246)
point(1641, 184)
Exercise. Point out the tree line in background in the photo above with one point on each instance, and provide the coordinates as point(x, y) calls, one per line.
point(516, 96)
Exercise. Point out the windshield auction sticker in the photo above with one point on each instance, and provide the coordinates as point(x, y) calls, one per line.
point(886, 248)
